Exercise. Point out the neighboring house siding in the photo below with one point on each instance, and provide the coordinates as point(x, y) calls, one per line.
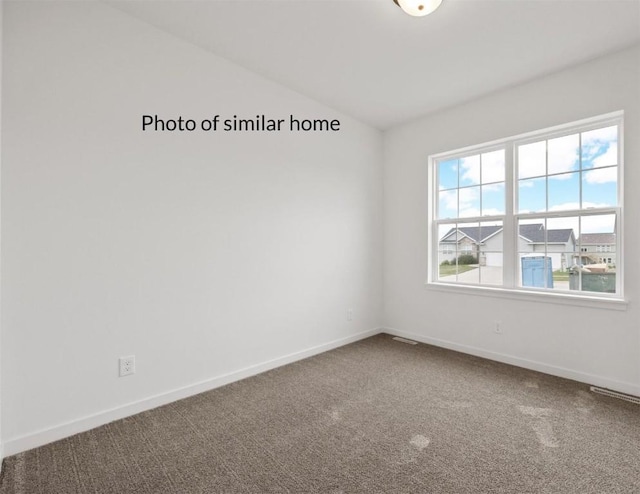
point(599, 247)
point(561, 245)
point(561, 254)
point(493, 250)
point(524, 246)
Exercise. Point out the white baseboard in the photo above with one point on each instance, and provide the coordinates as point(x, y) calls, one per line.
point(603, 382)
point(45, 436)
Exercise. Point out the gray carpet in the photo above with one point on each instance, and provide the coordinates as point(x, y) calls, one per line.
point(374, 416)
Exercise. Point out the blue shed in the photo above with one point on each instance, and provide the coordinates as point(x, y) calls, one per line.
point(537, 271)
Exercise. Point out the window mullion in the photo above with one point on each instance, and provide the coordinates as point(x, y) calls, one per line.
point(509, 242)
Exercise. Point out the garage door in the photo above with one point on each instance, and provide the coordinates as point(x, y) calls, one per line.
point(494, 258)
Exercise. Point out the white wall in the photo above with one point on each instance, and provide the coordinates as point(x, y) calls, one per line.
point(589, 344)
point(201, 254)
point(1, 37)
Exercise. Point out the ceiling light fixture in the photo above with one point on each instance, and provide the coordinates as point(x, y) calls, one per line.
point(418, 8)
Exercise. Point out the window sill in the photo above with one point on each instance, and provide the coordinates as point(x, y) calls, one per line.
point(525, 295)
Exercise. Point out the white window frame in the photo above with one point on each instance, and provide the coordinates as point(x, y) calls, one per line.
point(510, 288)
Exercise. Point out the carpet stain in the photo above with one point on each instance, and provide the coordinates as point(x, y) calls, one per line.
point(583, 401)
point(538, 413)
point(409, 453)
point(335, 415)
point(542, 427)
point(531, 384)
point(420, 442)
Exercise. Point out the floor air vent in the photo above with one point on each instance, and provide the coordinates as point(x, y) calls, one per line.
point(615, 394)
point(404, 340)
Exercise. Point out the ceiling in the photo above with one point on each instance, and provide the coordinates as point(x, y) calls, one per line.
point(372, 61)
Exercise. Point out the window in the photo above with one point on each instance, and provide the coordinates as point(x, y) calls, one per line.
point(529, 213)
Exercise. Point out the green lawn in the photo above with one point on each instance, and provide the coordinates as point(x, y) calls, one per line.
point(561, 275)
point(461, 268)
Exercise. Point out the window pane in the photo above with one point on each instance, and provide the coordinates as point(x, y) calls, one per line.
point(545, 250)
point(564, 192)
point(490, 253)
point(600, 147)
point(532, 160)
point(468, 273)
point(471, 253)
point(469, 202)
point(448, 174)
point(447, 266)
point(470, 170)
point(563, 154)
point(562, 248)
point(470, 241)
point(448, 203)
point(448, 238)
point(493, 167)
point(598, 223)
point(600, 188)
point(593, 270)
point(493, 199)
point(532, 195)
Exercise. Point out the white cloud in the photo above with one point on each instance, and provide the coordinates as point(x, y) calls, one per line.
point(564, 223)
point(563, 154)
point(610, 157)
point(606, 134)
point(602, 175)
point(527, 183)
point(470, 170)
point(591, 205)
point(492, 212)
point(499, 187)
point(468, 194)
point(531, 160)
point(601, 146)
point(559, 155)
point(574, 205)
point(493, 166)
point(565, 206)
point(490, 166)
point(469, 202)
point(469, 212)
point(601, 223)
point(449, 199)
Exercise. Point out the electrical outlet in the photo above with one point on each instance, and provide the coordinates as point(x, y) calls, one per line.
point(349, 314)
point(497, 329)
point(127, 365)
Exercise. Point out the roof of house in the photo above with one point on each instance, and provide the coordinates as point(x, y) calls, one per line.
point(536, 234)
point(476, 233)
point(533, 233)
point(598, 238)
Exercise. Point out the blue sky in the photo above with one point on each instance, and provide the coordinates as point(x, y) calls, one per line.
point(581, 162)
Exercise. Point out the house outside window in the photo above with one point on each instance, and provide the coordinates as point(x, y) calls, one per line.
point(534, 210)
